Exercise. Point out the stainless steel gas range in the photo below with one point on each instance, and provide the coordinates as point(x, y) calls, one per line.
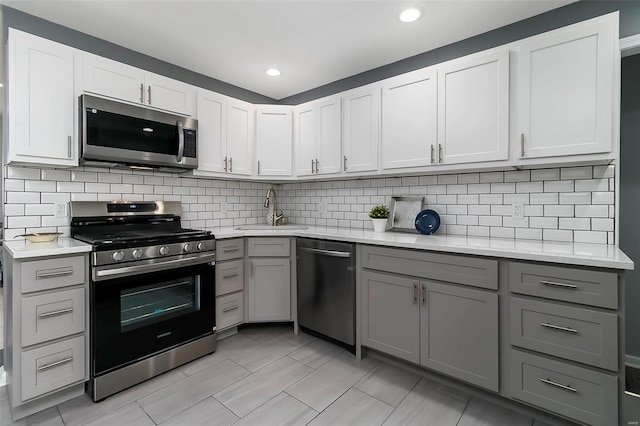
point(152, 291)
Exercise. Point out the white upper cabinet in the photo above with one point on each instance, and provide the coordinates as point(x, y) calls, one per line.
point(409, 119)
point(212, 131)
point(305, 136)
point(119, 81)
point(361, 130)
point(41, 101)
point(318, 137)
point(473, 109)
point(240, 134)
point(566, 90)
point(274, 144)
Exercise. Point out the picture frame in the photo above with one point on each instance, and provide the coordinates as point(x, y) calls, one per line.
point(403, 213)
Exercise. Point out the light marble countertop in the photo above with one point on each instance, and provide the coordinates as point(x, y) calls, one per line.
point(596, 255)
point(23, 249)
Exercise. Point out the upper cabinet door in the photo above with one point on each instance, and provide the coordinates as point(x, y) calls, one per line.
point(361, 135)
point(113, 79)
point(409, 114)
point(329, 153)
point(41, 101)
point(566, 90)
point(240, 126)
point(168, 94)
point(212, 131)
point(274, 145)
point(305, 137)
point(473, 109)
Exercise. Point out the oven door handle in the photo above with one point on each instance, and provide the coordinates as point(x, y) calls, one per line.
point(125, 271)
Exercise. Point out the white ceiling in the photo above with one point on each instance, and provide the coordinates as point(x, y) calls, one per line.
point(312, 42)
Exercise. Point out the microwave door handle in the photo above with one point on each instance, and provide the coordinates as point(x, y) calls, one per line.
point(180, 141)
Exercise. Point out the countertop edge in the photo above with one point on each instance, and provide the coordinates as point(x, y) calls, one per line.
point(624, 263)
point(21, 249)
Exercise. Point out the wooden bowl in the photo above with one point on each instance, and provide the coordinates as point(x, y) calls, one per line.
point(43, 237)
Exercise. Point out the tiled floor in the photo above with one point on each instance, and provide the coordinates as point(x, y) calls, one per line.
point(269, 376)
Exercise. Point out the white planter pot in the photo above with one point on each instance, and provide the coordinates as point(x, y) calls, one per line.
point(379, 225)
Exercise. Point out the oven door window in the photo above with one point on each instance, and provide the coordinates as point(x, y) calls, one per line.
point(137, 316)
point(143, 306)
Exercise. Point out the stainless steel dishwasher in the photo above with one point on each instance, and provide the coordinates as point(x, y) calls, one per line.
point(327, 288)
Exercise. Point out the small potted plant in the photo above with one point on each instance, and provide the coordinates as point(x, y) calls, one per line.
point(379, 216)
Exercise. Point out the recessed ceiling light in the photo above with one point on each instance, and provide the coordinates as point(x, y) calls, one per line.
point(273, 72)
point(410, 15)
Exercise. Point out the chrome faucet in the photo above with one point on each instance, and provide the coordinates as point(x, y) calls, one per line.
point(273, 214)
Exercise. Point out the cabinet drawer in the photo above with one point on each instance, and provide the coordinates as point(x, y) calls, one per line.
point(270, 247)
point(455, 269)
point(577, 334)
point(229, 276)
point(50, 316)
point(581, 394)
point(52, 367)
point(587, 287)
point(229, 310)
point(229, 249)
point(40, 275)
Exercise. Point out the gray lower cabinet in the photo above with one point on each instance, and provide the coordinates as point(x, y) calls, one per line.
point(390, 315)
point(448, 328)
point(459, 332)
point(229, 283)
point(269, 289)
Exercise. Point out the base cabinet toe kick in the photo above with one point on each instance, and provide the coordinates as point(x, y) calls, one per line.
point(548, 337)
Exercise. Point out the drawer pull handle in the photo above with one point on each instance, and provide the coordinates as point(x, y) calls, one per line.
point(558, 385)
point(235, 274)
point(40, 275)
point(555, 284)
point(231, 308)
point(55, 364)
point(557, 327)
point(227, 250)
point(55, 313)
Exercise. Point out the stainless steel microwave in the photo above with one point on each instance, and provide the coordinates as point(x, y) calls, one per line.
point(118, 133)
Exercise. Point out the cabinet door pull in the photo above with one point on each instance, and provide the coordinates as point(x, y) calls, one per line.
point(258, 166)
point(55, 364)
point(439, 153)
point(317, 164)
point(561, 285)
point(345, 163)
point(225, 164)
point(141, 93)
point(433, 150)
point(415, 292)
point(521, 144)
point(312, 162)
point(43, 275)
point(558, 385)
point(230, 249)
point(231, 308)
point(69, 146)
point(230, 164)
point(55, 313)
point(557, 327)
point(149, 91)
point(424, 294)
point(234, 274)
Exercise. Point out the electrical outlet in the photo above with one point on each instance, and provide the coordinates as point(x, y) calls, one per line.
point(517, 211)
point(223, 207)
point(61, 210)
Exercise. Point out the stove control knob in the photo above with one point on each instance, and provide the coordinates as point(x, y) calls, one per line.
point(164, 250)
point(202, 246)
point(188, 248)
point(137, 253)
point(117, 256)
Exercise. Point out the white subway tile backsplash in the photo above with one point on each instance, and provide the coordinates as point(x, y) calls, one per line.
point(608, 171)
point(590, 237)
point(35, 210)
point(575, 198)
point(545, 198)
point(503, 188)
point(559, 186)
point(77, 176)
point(39, 186)
point(557, 235)
point(23, 221)
point(545, 174)
point(14, 185)
point(490, 177)
point(22, 173)
point(592, 185)
point(600, 224)
point(559, 210)
point(517, 176)
point(593, 211)
point(529, 233)
point(70, 187)
point(23, 197)
point(602, 198)
point(576, 172)
point(56, 175)
point(469, 178)
point(574, 223)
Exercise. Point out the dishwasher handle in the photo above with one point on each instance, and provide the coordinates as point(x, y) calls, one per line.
point(332, 253)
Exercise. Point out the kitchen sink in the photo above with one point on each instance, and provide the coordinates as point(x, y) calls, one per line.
point(269, 227)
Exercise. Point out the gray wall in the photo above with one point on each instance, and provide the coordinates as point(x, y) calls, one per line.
point(570, 14)
point(31, 24)
point(630, 194)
